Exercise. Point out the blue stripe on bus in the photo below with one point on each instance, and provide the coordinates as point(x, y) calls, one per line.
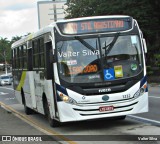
point(62, 90)
point(143, 81)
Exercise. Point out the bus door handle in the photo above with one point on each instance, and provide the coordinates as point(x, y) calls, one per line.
point(41, 75)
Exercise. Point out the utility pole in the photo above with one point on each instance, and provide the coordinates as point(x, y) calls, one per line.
point(4, 56)
point(5, 62)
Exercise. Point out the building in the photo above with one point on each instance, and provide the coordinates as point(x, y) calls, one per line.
point(50, 11)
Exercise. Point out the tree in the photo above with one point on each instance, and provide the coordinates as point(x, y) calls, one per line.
point(81, 8)
point(5, 47)
point(15, 38)
point(4, 50)
point(146, 12)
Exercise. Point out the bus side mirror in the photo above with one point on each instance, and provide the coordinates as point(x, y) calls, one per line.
point(144, 45)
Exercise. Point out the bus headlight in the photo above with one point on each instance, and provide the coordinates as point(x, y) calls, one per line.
point(66, 98)
point(141, 91)
point(2, 82)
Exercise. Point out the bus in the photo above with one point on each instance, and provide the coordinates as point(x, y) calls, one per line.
point(82, 69)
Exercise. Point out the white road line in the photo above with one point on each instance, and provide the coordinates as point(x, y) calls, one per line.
point(9, 98)
point(6, 88)
point(144, 119)
point(154, 97)
point(2, 93)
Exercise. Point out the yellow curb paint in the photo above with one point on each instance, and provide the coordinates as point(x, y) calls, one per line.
point(36, 125)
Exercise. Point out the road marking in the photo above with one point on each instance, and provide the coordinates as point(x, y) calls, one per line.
point(157, 123)
point(6, 88)
point(10, 98)
point(36, 125)
point(154, 97)
point(2, 93)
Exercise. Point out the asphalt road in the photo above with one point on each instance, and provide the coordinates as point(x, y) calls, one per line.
point(15, 127)
point(98, 127)
point(7, 95)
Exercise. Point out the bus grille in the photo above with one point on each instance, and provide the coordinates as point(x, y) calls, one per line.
point(117, 109)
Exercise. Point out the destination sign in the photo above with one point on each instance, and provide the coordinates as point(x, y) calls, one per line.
point(94, 26)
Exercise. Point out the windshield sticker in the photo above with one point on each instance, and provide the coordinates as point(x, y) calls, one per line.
point(68, 54)
point(133, 67)
point(82, 70)
point(109, 74)
point(118, 71)
point(133, 39)
point(94, 77)
point(71, 62)
point(76, 54)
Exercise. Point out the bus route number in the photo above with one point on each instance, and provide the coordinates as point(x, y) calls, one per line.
point(127, 96)
point(83, 70)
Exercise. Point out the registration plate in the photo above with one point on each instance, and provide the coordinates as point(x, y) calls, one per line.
point(106, 108)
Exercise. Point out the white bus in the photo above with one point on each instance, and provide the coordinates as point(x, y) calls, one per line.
point(82, 69)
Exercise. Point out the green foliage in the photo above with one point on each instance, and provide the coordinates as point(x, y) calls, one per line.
point(5, 51)
point(146, 12)
point(15, 38)
point(157, 60)
point(149, 70)
point(5, 48)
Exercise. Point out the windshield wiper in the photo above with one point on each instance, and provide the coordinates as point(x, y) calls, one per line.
point(110, 45)
point(85, 43)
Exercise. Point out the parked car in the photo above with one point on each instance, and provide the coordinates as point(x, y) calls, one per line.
point(5, 80)
point(10, 75)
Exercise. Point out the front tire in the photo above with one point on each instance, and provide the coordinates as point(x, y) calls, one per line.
point(52, 122)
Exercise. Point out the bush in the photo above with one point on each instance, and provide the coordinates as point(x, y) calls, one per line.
point(149, 70)
point(157, 60)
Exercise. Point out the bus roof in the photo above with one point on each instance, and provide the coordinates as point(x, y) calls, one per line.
point(93, 17)
point(49, 28)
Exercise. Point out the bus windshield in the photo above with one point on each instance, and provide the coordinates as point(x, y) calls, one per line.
point(99, 59)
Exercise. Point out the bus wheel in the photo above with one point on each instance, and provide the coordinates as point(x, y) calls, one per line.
point(52, 122)
point(27, 110)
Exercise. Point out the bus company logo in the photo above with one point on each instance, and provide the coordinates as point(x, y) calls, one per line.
point(83, 97)
point(6, 138)
point(104, 90)
point(105, 98)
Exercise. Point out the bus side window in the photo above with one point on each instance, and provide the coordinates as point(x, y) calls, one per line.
point(41, 53)
point(29, 62)
point(29, 56)
point(35, 54)
point(24, 56)
point(20, 57)
point(49, 65)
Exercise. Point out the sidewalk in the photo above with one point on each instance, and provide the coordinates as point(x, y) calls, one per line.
point(10, 125)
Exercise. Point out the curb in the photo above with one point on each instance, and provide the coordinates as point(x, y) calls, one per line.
point(58, 137)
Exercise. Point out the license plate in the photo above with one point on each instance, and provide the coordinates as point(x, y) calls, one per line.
point(106, 108)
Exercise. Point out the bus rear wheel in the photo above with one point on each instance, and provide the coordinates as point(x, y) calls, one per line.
point(52, 122)
point(27, 110)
